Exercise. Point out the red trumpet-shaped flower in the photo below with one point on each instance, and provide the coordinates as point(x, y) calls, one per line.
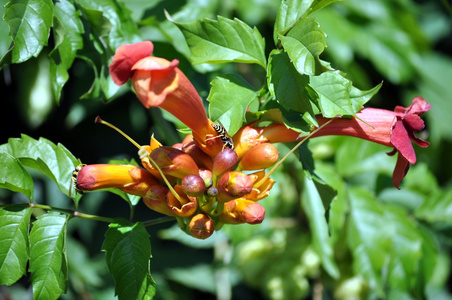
point(159, 82)
point(390, 128)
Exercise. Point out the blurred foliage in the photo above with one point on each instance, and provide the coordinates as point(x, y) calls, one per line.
point(367, 241)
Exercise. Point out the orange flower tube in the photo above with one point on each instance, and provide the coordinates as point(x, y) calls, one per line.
point(159, 82)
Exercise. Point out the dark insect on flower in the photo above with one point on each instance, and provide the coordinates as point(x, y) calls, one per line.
point(74, 179)
point(224, 135)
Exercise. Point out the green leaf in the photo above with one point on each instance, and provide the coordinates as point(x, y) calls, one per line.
point(333, 91)
point(291, 11)
point(14, 176)
point(67, 31)
point(14, 226)
point(288, 14)
point(406, 249)
point(229, 98)
point(356, 156)
point(197, 277)
point(128, 252)
point(139, 8)
point(55, 161)
point(288, 86)
point(437, 208)
point(48, 265)
point(315, 211)
point(318, 4)
point(304, 43)
point(29, 24)
point(366, 237)
point(389, 53)
point(113, 18)
point(434, 85)
point(359, 98)
point(5, 40)
point(225, 40)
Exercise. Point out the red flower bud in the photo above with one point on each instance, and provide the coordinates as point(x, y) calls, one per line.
point(242, 211)
point(200, 157)
point(174, 162)
point(234, 185)
point(193, 185)
point(259, 157)
point(201, 226)
point(224, 162)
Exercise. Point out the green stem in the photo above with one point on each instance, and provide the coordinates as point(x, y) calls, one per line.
point(73, 213)
point(275, 167)
point(157, 221)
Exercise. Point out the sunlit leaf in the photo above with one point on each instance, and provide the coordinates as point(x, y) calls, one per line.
point(48, 265)
point(55, 161)
point(304, 43)
point(359, 98)
point(314, 209)
point(290, 11)
point(14, 226)
point(128, 251)
point(29, 26)
point(14, 176)
point(229, 98)
point(223, 40)
point(287, 84)
point(333, 91)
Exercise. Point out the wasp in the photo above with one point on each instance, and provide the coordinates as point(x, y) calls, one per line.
point(74, 176)
point(224, 135)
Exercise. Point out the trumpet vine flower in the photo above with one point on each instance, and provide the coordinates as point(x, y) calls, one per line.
point(160, 83)
point(394, 129)
point(201, 182)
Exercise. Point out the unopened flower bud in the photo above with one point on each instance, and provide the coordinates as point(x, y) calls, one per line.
point(174, 162)
point(206, 175)
point(193, 185)
point(128, 178)
point(242, 211)
point(212, 191)
point(224, 162)
point(234, 185)
point(201, 226)
point(259, 157)
point(202, 159)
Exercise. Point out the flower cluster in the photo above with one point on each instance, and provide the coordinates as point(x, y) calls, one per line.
point(201, 181)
